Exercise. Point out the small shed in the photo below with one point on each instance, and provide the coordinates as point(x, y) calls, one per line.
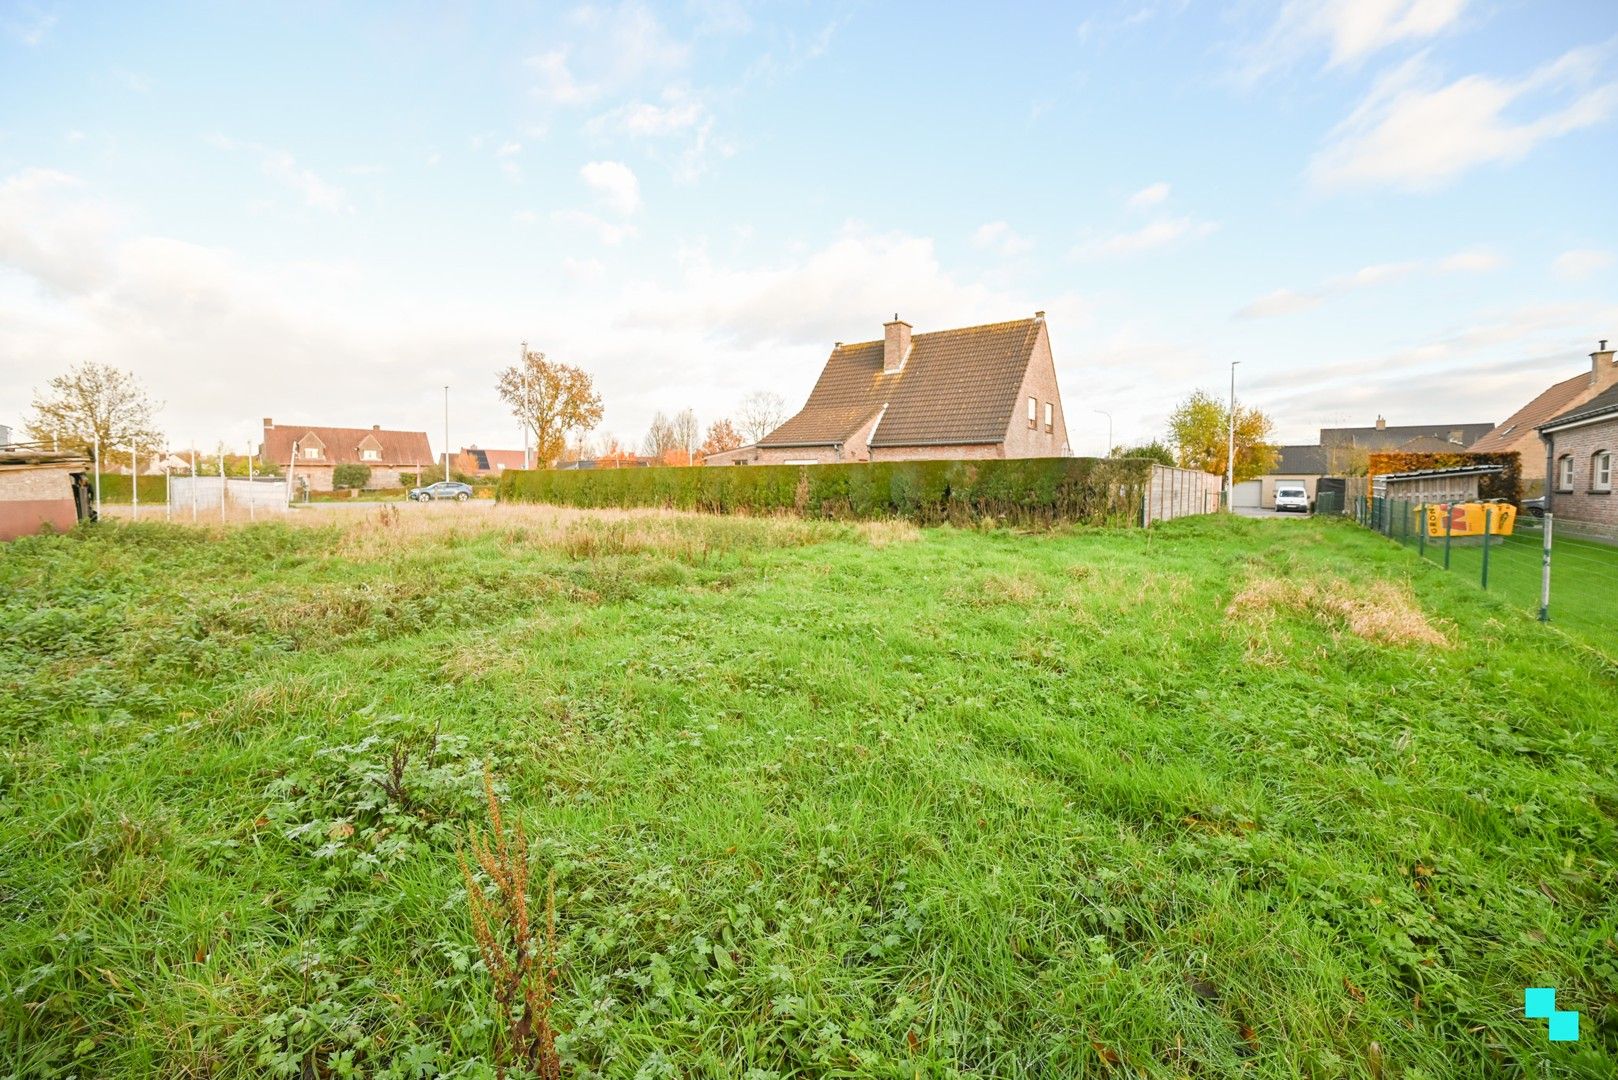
point(42, 489)
point(1453, 485)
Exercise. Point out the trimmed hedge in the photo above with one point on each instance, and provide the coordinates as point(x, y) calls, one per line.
point(1023, 490)
point(115, 488)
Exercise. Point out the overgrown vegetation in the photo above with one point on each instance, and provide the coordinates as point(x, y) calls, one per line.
point(1025, 491)
point(1220, 798)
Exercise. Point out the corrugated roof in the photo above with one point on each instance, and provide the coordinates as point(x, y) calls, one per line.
point(343, 445)
point(958, 386)
point(1547, 405)
point(1606, 401)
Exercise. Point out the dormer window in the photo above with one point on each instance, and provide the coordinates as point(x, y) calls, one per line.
point(311, 453)
point(370, 455)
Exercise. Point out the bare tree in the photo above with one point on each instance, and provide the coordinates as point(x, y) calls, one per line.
point(95, 402)
point(762, 412)
point(660, 438)
point(686, 433)
point(551, 400)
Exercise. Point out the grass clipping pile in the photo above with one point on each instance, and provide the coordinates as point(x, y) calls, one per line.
point(1381, 611)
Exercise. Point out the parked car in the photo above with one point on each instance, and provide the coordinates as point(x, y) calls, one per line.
point(444, 489)
point(1534, 507)
point(1291, 497)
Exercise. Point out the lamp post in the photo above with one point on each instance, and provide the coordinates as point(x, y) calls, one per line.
point(446, 434)
point(1108, 415)
point(1230, 449)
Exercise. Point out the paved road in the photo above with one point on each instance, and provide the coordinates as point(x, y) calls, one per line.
point(1259, 512)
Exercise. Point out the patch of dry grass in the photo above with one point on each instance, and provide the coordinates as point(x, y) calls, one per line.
point(1380, 611)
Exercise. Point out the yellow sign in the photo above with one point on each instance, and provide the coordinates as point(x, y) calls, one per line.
point(1470, 519)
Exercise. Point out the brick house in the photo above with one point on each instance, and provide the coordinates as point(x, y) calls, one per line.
point(976, 392)
point(1520, 430)
point(1580, 445)
point(476, 461)
point(321, 449)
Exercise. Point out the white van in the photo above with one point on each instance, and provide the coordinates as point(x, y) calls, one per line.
point(1291, 497)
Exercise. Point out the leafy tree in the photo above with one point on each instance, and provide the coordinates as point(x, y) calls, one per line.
point(95, 401)
point(762, 412)
point(350, 474)
point(551, 400)
point(1153, 451)
point(722, 436)
point(1200, 431)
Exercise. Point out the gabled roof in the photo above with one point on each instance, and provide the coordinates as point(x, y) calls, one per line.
point(1547, 405)
point(1602, 403)
point(1390, 437)
point(958, 386)
point(1301, 460)
point(343, 444)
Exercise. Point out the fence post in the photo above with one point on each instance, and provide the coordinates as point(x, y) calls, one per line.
point(1449, 527)
point(1545, 574)
point(1421, 530)
point(1488, 522)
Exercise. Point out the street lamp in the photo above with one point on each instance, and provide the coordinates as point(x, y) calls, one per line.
point(446, 434)
point(1230, 449)
point(1108, 415)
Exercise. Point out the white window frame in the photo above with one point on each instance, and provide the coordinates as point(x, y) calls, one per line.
point(1564, 473)
point(1033, 412)
point(311, 453)
point(1601, 470)
point(370, 455)
point(1050, 417)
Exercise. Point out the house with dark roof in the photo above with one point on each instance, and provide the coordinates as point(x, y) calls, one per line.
point(1521, 430)
point(476, 461)
point(974, 392)
point(1580, 444)
point(309, 453)
point(1383, 436)
point(1344, 451)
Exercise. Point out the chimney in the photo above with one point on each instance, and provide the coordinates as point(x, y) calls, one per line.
point(1381, 423)
point(268, 424)
point(1602, 371)
point(376, 427)
point(895, 345)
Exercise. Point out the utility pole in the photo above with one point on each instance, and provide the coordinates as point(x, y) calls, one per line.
point(1108, 415)
point(1230, 449)
point(97, 453)
point(446, 433)
point(134, 482)
point(527, 401)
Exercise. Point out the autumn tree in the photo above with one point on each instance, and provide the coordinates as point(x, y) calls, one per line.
point(762, 412)
point(95, 403)
point(551, 400)
point(1152, 451)
point(1200, 431)
point(722, 436)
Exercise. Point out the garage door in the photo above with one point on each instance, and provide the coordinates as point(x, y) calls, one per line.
point(1246, 494)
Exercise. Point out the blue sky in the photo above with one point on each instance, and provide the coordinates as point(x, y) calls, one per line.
point(326, 213)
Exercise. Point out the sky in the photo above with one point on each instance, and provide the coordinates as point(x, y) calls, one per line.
point(327, 213)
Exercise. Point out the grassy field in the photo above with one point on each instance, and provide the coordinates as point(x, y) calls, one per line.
point(1227, 798)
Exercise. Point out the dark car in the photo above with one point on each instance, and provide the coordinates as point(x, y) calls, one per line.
point(1534, 507)
point(444, 489)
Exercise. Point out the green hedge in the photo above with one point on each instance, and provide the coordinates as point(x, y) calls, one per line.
point(1025, 490)
point(115, 488)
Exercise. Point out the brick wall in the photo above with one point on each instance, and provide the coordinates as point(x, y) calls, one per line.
point(1039, 383)
point(1582, 504)
point(31, 498)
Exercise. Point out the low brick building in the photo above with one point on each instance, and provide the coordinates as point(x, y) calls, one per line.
point(976, 392)
point(309, 454)
point(41, 489)
point(1580, 445)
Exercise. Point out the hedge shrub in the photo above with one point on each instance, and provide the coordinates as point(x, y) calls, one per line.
point(350, 474)
point(1025, 491)
point(115, 488)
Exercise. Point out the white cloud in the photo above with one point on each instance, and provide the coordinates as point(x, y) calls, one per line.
point(614, 184)
point(678, 114)
point(1349, 30)
point(610, 233)
point(616, 46)
point(28, 24)
point(556, 84)
point(1416, 133)
point(1000, 237)
point(1155, 234)
point(1149, 196)
point(525, 217)
point(1291, 301)
point(508, 148)
point(1580, 263)
point(284, 169)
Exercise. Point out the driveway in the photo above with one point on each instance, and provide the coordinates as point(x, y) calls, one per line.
point(1260, 512)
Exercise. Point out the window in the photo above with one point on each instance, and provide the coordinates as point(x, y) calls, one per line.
point(311, 453)
point(1601, 470)
point(370, 455)
point(1033, 412)
point(1049, 426)
point(1564, 473)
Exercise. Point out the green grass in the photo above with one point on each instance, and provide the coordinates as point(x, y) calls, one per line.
point(821, 800)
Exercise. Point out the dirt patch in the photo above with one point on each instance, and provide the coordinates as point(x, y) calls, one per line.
point(1380, 611)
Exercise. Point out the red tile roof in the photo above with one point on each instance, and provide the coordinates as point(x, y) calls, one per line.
point(341, 444)
point(958, 386)
point(1553, 401)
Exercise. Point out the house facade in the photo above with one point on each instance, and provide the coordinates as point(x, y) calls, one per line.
point(1521, 430)
point(1580, 445)
point(309, 454)
point(975, 392)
